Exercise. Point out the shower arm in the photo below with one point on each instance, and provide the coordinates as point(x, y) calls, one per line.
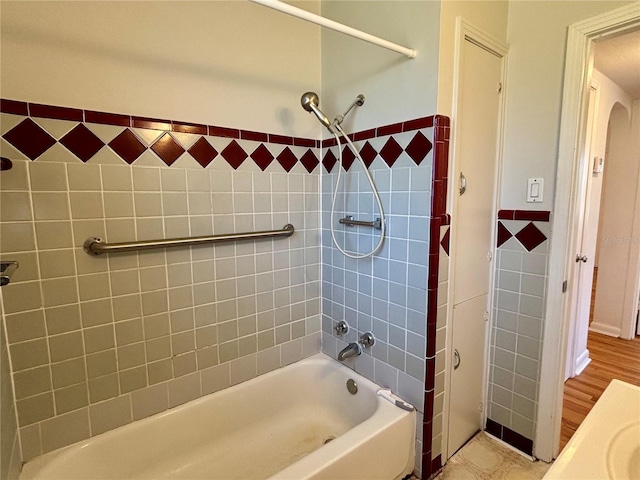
point(359, 101)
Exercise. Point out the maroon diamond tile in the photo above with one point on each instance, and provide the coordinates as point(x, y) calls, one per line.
point(503, 234)
point(309, 160)
point(287, 159)
point(203, 152)
point(82, 142)
point(127, 146)
point(368, 154)
point(347, 158)
point(390, 152)
point(167, 149)
point(329, 161)
point(445, 241)
point(262, 157)
point(29, 138)
point(530, 236)
point(418, 148)
point(234, 154)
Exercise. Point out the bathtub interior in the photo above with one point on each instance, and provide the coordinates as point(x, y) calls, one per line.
point(252, 430)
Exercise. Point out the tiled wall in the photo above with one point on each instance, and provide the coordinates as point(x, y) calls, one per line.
point(516, 336)
point(440, 344)
point(97, 342)
point(9, 443)
point(389, 294)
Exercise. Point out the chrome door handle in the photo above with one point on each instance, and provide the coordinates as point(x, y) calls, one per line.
point(581, 258)
point(456, 359)
point(463, 183)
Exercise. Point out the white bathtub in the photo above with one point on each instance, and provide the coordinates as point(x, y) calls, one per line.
point(274, 426)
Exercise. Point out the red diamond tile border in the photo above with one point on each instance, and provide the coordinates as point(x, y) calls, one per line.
point(446, 240)
point(202, 152)
point(234, 154)
point(368, 154)
point(82, 142)
point(287, 159)
point(418, 148)
point(329, 161)
point(530, 236)
point(309, 160)
point(262, 157)
point(29, 138)
point(390, 152)
point(167, 149)
point(127, 146)
point(503, 234)
point(347, 158)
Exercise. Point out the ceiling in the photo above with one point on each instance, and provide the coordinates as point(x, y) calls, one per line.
point(619, 59)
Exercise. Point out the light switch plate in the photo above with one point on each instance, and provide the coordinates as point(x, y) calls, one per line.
point(535, 190)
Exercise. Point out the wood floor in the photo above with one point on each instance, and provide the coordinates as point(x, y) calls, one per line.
point(610, 358)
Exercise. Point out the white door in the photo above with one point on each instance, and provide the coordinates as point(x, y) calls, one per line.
point(577, 353)
point(476, 137)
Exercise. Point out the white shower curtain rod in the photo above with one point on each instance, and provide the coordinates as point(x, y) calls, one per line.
point(338, 27)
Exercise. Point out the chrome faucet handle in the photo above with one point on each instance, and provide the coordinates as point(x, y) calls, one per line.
point(341, 327)
point(367, 339)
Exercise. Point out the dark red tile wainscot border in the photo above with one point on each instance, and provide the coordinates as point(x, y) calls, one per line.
point(439, 217)
point(531, 215)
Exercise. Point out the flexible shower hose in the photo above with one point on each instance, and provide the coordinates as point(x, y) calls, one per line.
point(335, 194)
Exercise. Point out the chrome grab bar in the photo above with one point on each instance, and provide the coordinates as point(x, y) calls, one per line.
point(349, 221)
point(96, 246)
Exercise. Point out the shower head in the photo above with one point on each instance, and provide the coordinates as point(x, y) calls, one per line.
point(310, 102)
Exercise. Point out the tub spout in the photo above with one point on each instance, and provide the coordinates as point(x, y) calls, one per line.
point(351, 350)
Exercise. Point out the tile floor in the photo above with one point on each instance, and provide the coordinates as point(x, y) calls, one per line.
point(485, 459)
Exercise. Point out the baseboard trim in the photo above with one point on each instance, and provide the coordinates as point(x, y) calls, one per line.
point(581, 362)
point(605, 329)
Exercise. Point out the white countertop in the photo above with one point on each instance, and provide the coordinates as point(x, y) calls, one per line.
point(607, 444)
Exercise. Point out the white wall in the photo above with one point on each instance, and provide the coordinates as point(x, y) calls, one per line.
point(396, 88)
point(537, 39)
point(619, 211)
point(610, 94)
point(228, 63)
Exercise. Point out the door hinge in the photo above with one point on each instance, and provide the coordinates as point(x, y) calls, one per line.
point(564, 286)
point(499, 87)
point(489, 256)
point(486, 316)
point(481, 407)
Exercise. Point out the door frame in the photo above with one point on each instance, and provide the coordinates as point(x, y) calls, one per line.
point(465, 30)
point(577, 81)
